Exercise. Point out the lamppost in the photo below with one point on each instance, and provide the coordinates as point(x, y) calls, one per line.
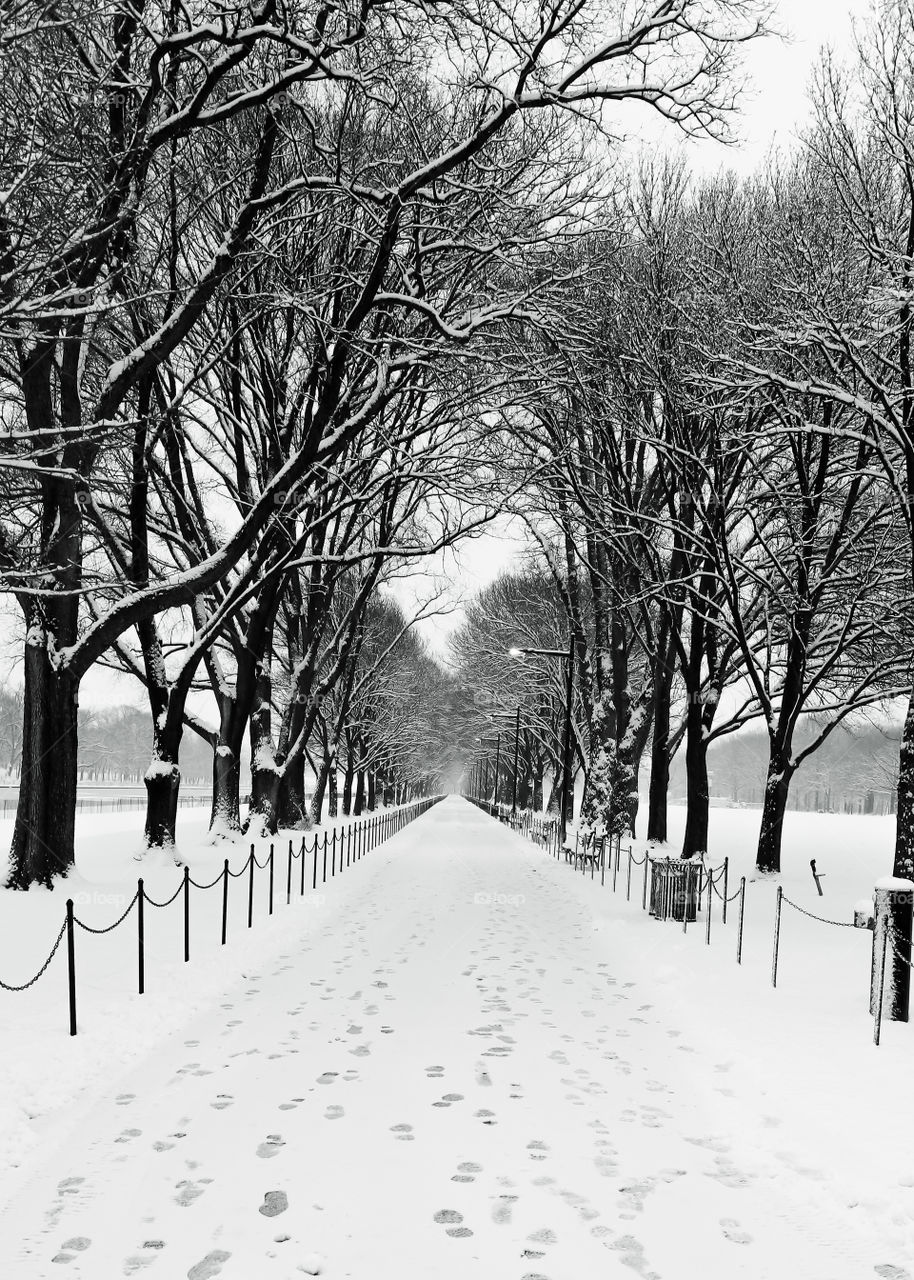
point(523, 652)
point(515, 716)
point(488, 742)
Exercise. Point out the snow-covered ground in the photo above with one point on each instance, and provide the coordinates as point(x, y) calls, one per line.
point(469, 1061)
point(43, 1070)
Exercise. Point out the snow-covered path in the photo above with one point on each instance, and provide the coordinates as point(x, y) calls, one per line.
point(458, 1079)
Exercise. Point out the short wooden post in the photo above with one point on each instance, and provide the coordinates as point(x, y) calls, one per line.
point(742, 910)
point(893, 900)
point(777, 938)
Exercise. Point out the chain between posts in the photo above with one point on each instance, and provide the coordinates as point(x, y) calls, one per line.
point(8, 986)
point(839, 924)
point(88, 928)
point(168, 901)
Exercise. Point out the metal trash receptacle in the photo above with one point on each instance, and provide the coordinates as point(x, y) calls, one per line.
point(675, 889)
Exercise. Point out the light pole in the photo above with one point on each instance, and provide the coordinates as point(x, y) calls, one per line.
point(488, 742)
point(515, 716)
point(522, 652)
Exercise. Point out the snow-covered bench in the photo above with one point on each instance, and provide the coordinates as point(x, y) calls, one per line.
point(589, 849)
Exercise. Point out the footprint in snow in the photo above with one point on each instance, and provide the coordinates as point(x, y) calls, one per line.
point(327, 1078)
point(334, 1112)
point(502, 1210)
point(734, 1233)
point(209, 1266)
point(271, 1147)
point(274, 1203)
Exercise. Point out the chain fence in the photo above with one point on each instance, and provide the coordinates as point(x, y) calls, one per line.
point(356, 840)
point(694, 894)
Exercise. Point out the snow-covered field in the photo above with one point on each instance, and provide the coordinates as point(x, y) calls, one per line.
point(463, 1060)
point(42, 1069)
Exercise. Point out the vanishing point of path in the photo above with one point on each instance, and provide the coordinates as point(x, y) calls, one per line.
point(456, 1079)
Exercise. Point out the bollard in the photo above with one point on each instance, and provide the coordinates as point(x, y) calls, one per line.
point(71, 967)
point(302, 856)
point(777, 937)
point(141, 960)
point(708, 921)
point(289, 876)
point(723, 916)
point(647, 863)
point(628, 877)
point(893, 899)
point(225, 884)
point(271, 879)
point(251, 888)
point(333, 856)
point(742, 908)
point(186, 914)
point(314, 882)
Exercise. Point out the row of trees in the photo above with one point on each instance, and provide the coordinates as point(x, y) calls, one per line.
point(252, 262)
point(719, 467)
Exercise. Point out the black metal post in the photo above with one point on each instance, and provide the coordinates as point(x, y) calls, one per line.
point(271, 879)
point(71, 967)
point(225, 884)
point(289, 876)
point(251, 888)
point(141, 960)
point(186, 914)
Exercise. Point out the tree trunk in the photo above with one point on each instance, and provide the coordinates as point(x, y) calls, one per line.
point(333, 793)
point(224, 819)
point(293, 805)
point(658, 792)
point(372, 791)
point(695, 840)
point(163, 783)
point(263, 813)
point(348, 778)
point(320, 789)
point(359, 804)
point(774, 805)
point(42, 846)
point(904, 828)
